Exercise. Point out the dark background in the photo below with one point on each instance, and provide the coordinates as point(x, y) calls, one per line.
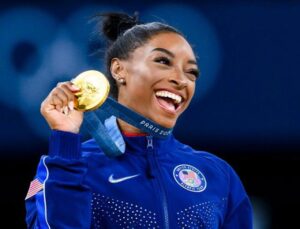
point(246, 108)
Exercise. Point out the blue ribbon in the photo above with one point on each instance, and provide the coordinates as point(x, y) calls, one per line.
point(94, 122)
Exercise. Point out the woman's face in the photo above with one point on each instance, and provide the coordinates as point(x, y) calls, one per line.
point(160, 78)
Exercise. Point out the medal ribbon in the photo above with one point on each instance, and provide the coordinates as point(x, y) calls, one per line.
point(94, 122)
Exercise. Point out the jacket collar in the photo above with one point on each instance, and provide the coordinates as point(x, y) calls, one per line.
point(136, 144)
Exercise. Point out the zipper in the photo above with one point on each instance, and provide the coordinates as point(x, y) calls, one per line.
point(153, 161)
point(150, 143)
point(150, 148)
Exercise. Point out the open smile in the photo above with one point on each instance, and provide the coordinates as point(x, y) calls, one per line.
point(169, 101)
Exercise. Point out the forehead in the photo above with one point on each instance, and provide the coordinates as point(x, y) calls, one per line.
point(173, 42)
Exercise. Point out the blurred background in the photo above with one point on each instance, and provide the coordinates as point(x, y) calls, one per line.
point(246, 108)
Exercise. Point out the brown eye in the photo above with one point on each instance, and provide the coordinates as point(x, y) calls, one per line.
point(162, 60)
point(194, 72)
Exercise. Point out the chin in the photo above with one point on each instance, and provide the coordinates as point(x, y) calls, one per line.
point(166, 122)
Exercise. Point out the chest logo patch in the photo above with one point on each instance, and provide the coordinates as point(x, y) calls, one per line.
point(189, 178)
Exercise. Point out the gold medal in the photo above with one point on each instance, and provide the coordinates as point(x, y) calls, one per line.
point(94, 89)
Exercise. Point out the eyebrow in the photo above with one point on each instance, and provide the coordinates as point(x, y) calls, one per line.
point(171, 54)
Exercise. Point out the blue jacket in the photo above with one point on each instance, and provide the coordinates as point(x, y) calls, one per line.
point(155, 184)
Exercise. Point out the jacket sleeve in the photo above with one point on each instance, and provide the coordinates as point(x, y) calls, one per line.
point(239, 209)
point(57, 197)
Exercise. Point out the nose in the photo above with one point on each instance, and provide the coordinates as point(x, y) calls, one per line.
point(178, 80)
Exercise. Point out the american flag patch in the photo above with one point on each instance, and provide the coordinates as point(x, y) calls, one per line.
point(34, 188)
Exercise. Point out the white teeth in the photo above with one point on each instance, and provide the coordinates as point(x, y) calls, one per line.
point(177, 99)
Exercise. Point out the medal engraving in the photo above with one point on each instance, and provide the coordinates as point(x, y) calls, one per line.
point(94, 89)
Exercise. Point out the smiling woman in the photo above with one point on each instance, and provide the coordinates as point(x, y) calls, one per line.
point(160, 78)
point(157, 183)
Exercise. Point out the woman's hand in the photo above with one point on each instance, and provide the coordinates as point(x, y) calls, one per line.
point(58, 108)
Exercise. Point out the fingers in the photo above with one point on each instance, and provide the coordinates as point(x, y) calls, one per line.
point(62, 97)
point(72, 87)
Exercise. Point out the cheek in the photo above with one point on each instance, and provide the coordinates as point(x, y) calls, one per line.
point(191, 89)
point(191, 92)
point(140, 80)
point(138, 88)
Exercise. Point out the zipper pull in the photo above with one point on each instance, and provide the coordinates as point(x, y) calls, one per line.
point(150, 148)
point(149, 142)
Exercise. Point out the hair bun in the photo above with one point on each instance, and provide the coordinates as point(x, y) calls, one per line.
point(115, 24)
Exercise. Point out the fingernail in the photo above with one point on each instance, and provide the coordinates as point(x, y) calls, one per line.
point(71, 105)
point(66, 110)
point(75, 88)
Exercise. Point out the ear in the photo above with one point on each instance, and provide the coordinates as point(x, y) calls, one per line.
point(118, 70)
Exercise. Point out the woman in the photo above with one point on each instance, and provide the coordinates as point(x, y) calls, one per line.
point(156, 183)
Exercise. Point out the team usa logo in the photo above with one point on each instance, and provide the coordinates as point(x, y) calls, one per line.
point(189, 178)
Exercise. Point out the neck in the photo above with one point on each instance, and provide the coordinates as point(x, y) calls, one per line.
point(127, 128)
